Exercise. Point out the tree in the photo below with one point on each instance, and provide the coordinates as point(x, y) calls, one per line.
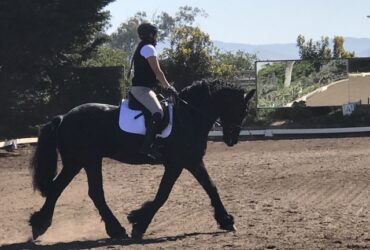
point(106, 57)
point(40, 39)
point(37, 34)
point(316, 52)
point(338, 50)
point(126, 38)
point(313, 51)
point(185, 16)
point(189, 57)
point(320, 50)
point(191, 54)
point(232, 66)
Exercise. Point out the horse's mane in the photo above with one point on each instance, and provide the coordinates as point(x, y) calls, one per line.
point(201, 89)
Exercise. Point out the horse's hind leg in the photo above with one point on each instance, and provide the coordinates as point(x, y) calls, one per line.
point(41, 220)
point(96, 193)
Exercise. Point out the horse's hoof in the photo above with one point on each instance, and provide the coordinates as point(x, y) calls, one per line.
point(38, 225)
point(119, 233)
point(230, 228)
point(233, 228)
point(36, 233)
point(136, 234)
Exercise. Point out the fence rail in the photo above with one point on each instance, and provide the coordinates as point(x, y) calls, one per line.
point(263, 133)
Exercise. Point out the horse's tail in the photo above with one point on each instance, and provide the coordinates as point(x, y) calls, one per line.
point(44, 161)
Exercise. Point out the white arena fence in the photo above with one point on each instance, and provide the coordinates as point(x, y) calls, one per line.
point(315, 131)
point(245, 133)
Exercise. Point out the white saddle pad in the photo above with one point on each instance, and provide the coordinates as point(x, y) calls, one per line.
point(129, 124)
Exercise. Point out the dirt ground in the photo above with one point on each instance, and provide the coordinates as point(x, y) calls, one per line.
point(286, 194)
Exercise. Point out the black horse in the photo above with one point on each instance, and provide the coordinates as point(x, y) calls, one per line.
point(90, 132)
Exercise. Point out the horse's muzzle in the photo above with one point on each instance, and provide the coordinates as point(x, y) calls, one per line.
point(231, 142)
point(230, 136)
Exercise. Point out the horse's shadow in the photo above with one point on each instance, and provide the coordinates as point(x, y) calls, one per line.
point(89, 244)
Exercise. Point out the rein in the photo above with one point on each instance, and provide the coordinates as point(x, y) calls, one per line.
point(195, 109)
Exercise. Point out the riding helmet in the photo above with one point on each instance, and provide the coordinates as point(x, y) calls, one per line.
point(145, 30)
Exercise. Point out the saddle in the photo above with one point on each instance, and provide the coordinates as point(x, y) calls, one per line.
point(134, 116)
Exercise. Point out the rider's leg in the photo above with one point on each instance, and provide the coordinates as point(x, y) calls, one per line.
point(148, 147)
point(148, 98)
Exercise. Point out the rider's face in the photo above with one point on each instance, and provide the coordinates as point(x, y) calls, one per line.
point(155, 36)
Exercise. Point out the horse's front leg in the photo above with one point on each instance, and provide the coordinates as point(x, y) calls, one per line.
point(96, 193)
point(223, 218)
point(141, 218)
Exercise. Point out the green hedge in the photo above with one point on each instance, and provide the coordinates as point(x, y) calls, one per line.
point(95, 84)
point(25, 110)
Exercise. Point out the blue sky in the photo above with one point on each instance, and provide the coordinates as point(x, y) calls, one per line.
point(261, 21)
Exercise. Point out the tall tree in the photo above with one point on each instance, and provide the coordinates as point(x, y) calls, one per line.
point(48, 32)
point(38, 38)
point(126, 38)
point(190, 56)
point(105, 56)
point(311, 50)
point(232, 66)
point(185, 16)
point(314, 51)
point(339, 50)
point(320, 50)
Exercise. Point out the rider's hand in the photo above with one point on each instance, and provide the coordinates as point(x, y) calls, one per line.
point(172, 91)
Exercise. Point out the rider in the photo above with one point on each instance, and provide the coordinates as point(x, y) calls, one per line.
point(146, 73)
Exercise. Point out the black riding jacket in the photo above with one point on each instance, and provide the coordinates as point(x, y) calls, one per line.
point(143, 74)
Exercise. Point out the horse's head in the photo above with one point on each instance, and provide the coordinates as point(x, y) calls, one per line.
point(233, 111)
point(218, 99)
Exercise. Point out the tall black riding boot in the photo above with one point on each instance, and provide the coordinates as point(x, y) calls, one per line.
point(148, 146)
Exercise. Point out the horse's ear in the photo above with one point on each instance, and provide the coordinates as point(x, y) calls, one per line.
point(249, 96)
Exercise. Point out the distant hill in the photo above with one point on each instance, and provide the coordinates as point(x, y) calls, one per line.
point(361, 47)
point(264, 52)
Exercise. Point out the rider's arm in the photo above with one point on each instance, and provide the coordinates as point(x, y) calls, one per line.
point(154, 64)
